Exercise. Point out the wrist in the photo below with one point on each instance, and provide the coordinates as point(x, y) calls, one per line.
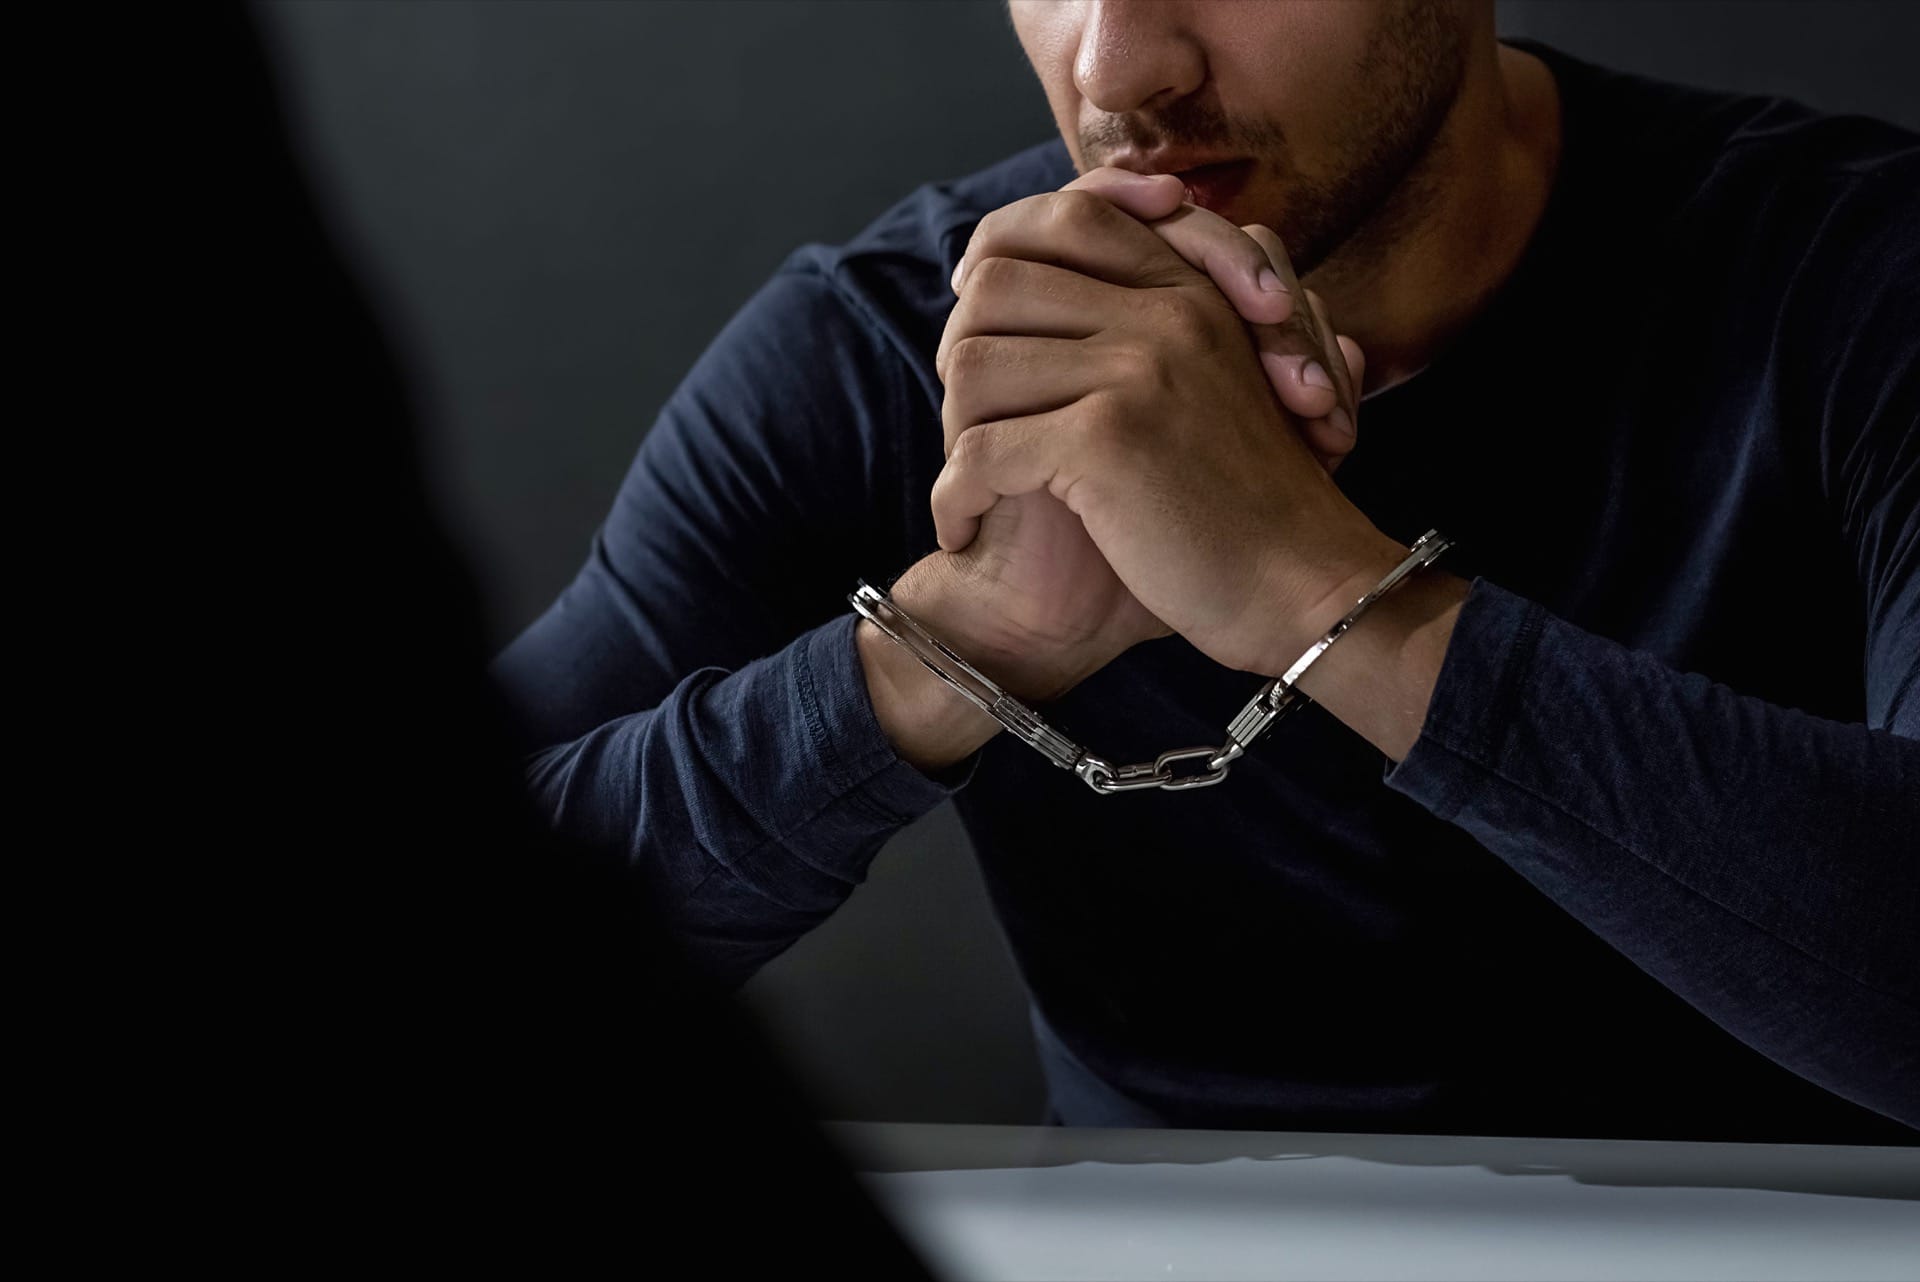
point(964, 610)
point(1378, 677)
point(932, 725)
point(1323, 595)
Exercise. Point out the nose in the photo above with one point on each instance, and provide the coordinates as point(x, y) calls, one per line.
point(1137, 54)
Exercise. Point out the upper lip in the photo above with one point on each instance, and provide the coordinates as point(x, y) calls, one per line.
point(1167, 161)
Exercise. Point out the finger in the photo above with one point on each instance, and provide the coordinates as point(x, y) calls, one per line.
point(1207, 242)
point(1323, 357)
point(1328, 434)
point(996, 376)
point(1346, 422)
point(1356, 364)
point(1330, 350)
point(1078, 230)
point(1302, 381)
point(1010, 456)
point(1328, 430)
point(1276, 254)
point(1029, 298)
point(1296, 367)
point(1237, 264)
point(1344, 416)
point(1276, 249)
point(1144, 196)
point(1328, 438)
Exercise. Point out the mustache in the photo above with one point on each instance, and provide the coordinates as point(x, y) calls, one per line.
point(1191, 123)
point(1187, 126)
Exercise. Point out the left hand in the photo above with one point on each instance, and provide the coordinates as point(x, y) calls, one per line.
point(1291, 340)
point(1126, 386)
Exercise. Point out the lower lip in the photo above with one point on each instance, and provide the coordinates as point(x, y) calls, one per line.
point(1214, 185)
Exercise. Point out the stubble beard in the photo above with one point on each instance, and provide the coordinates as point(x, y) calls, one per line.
point(1412, 73)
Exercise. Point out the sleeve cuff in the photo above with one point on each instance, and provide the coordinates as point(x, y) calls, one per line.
point(1464, 733)
point(857, 754)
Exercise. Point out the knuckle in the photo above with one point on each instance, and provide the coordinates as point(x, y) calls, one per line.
point(984, 230)
point(1179, 317)
point(1130, 355)
point(968, 356)
point(1077, 210)
point(1143, 364)
point(955, 418)
point(939, 497)
point(1156, 369)
point(1102, 422)
point(993, 273)
point(969, 448)
point(1249, 248)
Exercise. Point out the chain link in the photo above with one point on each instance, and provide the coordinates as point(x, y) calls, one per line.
point(1276, 700)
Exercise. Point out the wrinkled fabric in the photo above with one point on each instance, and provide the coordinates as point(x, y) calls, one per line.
point(1650, 867)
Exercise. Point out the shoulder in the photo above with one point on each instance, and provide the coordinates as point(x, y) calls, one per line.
point(1757, 257)
point(1777, 230)
point(895, 271)
point(1746, 167)
point(1825, 189)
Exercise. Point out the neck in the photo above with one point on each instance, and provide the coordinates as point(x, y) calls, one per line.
point(1454, 230)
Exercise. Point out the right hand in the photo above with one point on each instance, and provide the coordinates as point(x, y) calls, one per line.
point(1044, 587)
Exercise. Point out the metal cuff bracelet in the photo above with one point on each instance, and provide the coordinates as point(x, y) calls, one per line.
point(1275, 699)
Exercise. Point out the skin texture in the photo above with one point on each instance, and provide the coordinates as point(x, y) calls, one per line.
point(1336, 101)
point(1402, 155)
point(1133, 446)
point(1045, 567)
point(1315, 380)
point(1111, 374)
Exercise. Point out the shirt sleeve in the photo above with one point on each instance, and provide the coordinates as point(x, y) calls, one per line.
point(694, 698)
point(1761, 862)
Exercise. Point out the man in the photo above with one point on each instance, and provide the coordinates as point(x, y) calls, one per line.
point(1603, 825)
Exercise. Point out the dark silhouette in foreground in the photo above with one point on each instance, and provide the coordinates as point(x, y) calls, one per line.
point(430, 1027)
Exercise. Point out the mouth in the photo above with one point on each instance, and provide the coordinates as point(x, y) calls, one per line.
point(1213, 186)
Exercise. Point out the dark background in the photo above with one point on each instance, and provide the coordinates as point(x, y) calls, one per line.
point(555, 206)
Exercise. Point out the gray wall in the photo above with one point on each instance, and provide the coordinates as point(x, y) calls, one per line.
point(557, 205)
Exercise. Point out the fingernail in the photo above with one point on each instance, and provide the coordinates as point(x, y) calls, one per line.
point(1270, 282)
point(1313, 374)
point(1342, 422)
point(954, 280)
point(1148, 180)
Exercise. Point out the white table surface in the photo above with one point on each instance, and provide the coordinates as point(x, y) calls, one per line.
point(1040, 1202)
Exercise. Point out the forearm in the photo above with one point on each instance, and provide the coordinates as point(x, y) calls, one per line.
point(750, 801)
point(1755, 859)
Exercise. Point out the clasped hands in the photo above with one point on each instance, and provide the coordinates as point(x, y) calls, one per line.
point(1114, 352)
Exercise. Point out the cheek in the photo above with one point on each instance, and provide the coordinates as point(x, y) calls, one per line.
point(1297, 65)
point(1049, 33)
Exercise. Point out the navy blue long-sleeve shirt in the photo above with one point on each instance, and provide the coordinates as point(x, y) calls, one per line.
point(1652, 866)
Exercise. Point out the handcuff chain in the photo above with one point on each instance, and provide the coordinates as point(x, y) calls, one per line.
point(1275, 700)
